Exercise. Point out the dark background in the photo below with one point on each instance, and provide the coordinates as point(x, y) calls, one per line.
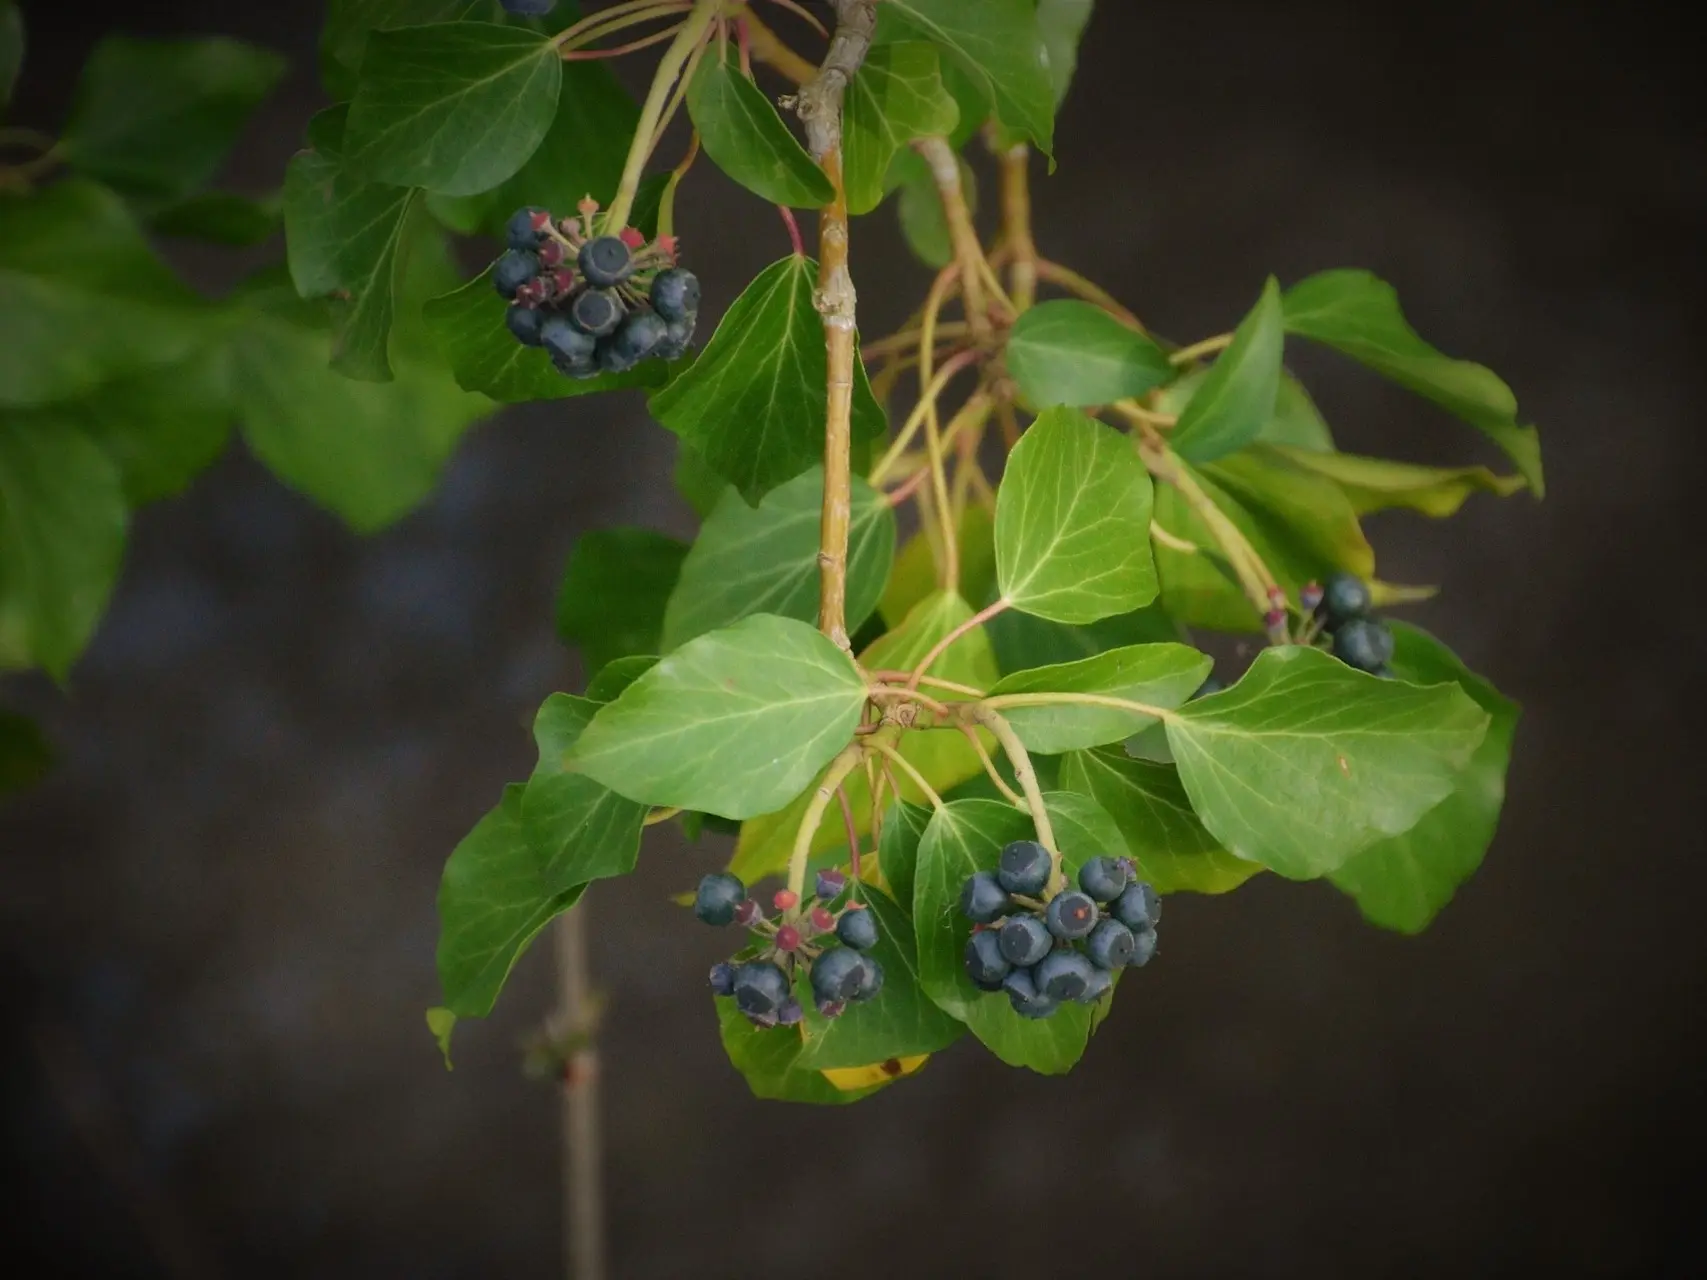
point(218, 915)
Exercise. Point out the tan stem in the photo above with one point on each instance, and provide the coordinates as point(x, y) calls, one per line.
point(1016, 230)
point(833, 778)
point(968, 253)
point(1026, 776)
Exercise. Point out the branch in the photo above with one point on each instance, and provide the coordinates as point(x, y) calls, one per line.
point(583, 1157)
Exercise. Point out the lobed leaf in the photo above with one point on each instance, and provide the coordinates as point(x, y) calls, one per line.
point(896, 97)
point(742, 133)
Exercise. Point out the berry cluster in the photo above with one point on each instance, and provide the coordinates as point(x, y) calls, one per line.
point(1343, 609)
point(827, 943)
point(1026, 946)
point(596, 303)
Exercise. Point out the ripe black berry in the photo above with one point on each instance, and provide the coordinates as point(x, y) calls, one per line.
point(838, 975)
point(788, 1013)
point(526, 228)
point(1344, 596)
point(1103, 878)
point(718, 895)
point(637, 337)
point(870, 978)
point(514, 268)
point(983, 900)
point(1143, 947)
point(596, 312)
point(760, 988)
point(1026, 999)
point(1062, 975)
point(1110, 945)
point(675, 294)
point(559, 336)
point(857, 928)
point(830, 885)
point(1024, 940)
point(1137, 907)
point(1099, 983)
point(1024, 868)
point(606, 261)
point(525, 324)
point(1364, 643)
point(723, 979)
point(1071, 915)
point(985, 963)
point(677, 337)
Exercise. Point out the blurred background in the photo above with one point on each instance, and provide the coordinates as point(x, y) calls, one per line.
point(216, 917)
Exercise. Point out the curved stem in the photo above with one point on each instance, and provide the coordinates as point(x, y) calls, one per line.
point(905, 341)
point(949, 685)
point(895, 757)
point(942, 646)
point(1014, 798)
point(852, 829)
point(910, 428)
point(832, 780)
point(968, 253)
point(950, 562)
point(770, 49)
point(1076, 700)
point(1016, 224)
point(1209, 346)
point(1073, 282)
point(1026, 776)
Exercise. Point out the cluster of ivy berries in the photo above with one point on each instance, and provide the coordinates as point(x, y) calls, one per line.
point(1044, 953)
point(1343, 608)
point(830, 944)
point(596, 303)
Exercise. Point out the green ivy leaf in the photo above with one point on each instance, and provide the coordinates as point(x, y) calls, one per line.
point(581, 831)
point(1062, 23)
point(11, 48)
point(611, 602)
point(769, 1059)
point(162, 427)
point(62, 527)
point(742, 133)
point(967, 836)
point(764, 559)
point(349, 23)
point(1022, 642)
point(1305, 762)
point(898, 849)
point(1159, 675)
point(220, 217)
point(1402, 883)
point(25, 756)
point(1237, 397)
point(1174, 851)
point(492, 905)
point(1358, 314)
point(897, 96)
point(1073, 522)
point(616, 675)
point(1377, 484)
point(735, 723)
point(902, 1022)
point(752, 406)
point(1070, 352)
point(997, 44)
point(154, 118)
point(456, 107)
point(73, 261)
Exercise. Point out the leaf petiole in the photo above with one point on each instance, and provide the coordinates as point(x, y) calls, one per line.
point(1026, 776)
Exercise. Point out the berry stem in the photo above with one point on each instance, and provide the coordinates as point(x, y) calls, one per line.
point(851, 827)
point(1026, 776)
point(832, 780)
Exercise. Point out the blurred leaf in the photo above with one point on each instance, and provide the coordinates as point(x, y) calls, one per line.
point(220, 217)
point(923, 223)
point(11, 48)
point(742, 133)
point(897, 96)
point(343, 38)
point(611, 602)
point(1376, 484)
point(162, 427)
point(25, 756)
point(1062, 23)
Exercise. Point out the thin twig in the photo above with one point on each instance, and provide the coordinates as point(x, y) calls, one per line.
point(583, 1162)
point(1014, 798)
point(907, 767)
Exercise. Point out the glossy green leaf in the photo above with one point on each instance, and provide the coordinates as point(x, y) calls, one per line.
point(1062, 24)
point(492, 904)
point(1175, 853)
point(764, 559)
point(752, 406)
point(154, 118)
point(769, 1060)
point(74, 261)
point(579, 830)
point(1296, 423)
point(897, 96)
point(162, 427)
point(901, 1022)
point(25, 756)
point(1073, 522)
point(62, 528)
point(455, 107)
point(349, 23)
point(999, 47)
point(915, 574)
point(735, 723)
point(1377, 484)
point(1158, 675)
point(1357, 313)
point(1305, 762)
point(11, 48)
point(611, 601)
point(1022, 641)
point(1402, 883)
point(220, 217)
point(1237, 397)
point(1070, 352)
point(746, 138)
point(898, 849)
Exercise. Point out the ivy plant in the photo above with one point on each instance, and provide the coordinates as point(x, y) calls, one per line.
point(938, 658)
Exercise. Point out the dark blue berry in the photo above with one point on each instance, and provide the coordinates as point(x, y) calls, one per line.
point(606, 262)
point(584, 368)
point(838, 975)
point(1062, 975)
point(596, 312)
point(723, 979)
point(858, 928)
point(1026, 999)
point(1344, 596)
point(1211, 684)
point(718, 895)
point(1103, 878)
point(830, 885)
point(788, 1013)
point(675, 294)
point(1110, 945)
point(636, 338)
point(514, 268)
point(1143, 947)
point(1138, 907)
point(985, 963)
point(525, 324)
point(566, 343)
point(870, 978)
point(526, 227)
point(677, 338)
point(1100, 982)
point(1024, 940)
point(760, 988)
point(983, 900)
point(1364, 643)
point(1070, 915)
point(1024, 868)
point(528, 8)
